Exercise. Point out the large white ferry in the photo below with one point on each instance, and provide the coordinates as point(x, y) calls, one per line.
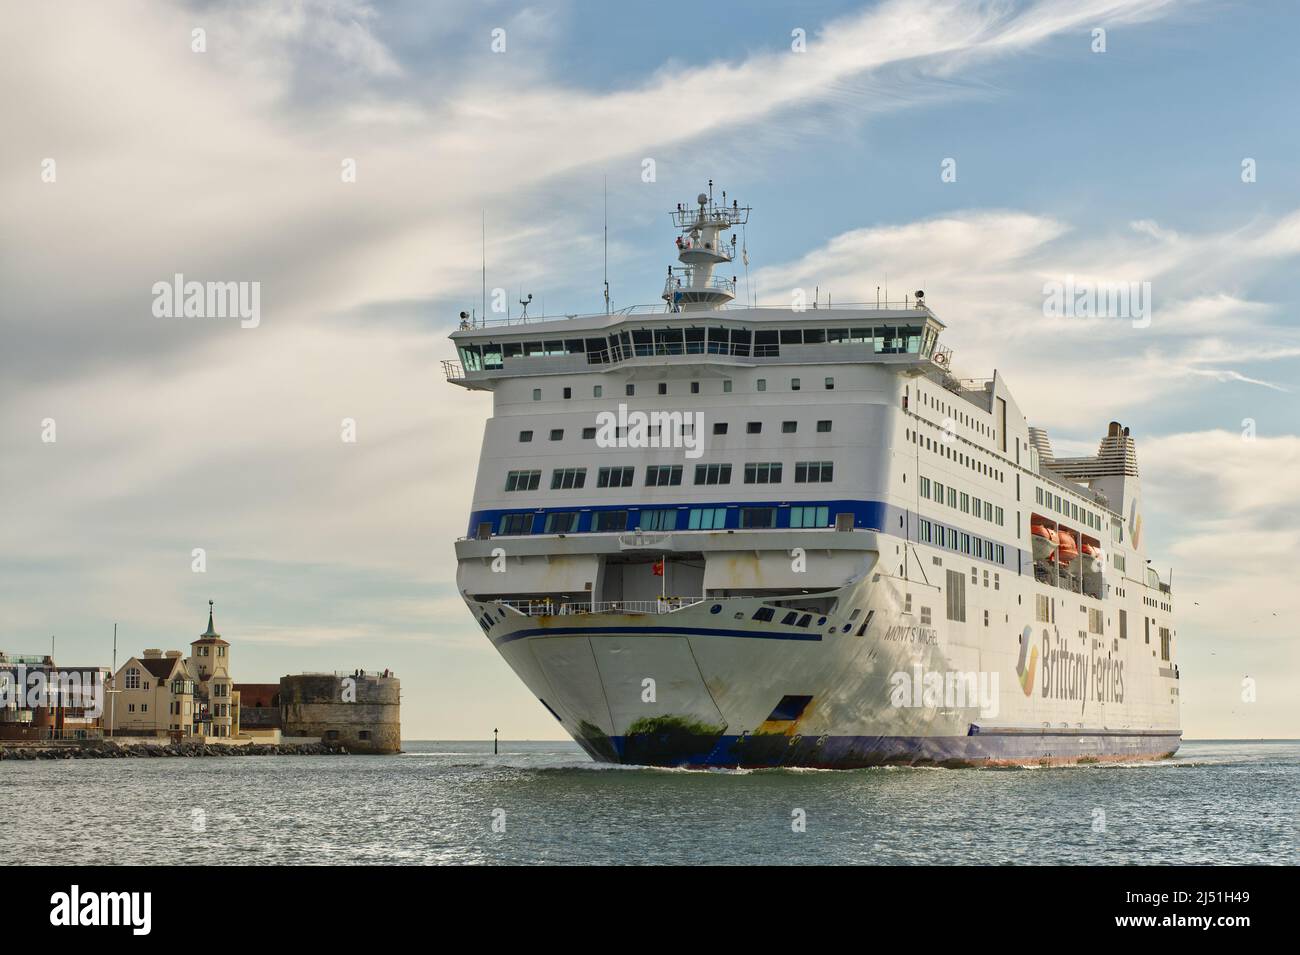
point(720, 535)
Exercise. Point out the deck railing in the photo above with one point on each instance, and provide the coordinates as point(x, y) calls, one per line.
point(547, 608)
point(896, 305)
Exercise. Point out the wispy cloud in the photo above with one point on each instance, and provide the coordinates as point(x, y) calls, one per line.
point(989, 268)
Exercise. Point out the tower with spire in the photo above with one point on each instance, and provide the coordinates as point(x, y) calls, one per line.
point(209, 663)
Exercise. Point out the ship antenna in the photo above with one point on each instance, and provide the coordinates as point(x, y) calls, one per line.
point(483, 225)
point(607, 245)
point(744, 255)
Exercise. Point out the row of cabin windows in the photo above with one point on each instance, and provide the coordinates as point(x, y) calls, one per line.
point(629, 389)
point(797, 618)
point(670, 475)
point(966, 503)
point(1067, 508)
point(662, 519)
point(742, 342)
point(962, 542)
point(968, 461)
point(959, 417)
point(688, 429)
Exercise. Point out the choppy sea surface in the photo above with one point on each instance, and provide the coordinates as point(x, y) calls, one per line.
point(1218, 802)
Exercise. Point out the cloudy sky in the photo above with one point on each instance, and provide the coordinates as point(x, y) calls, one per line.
point(129, 156)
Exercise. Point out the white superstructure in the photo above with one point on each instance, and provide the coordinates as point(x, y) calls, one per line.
point(706, 534)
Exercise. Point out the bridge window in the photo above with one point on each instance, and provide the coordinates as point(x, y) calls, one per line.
point(615, 477)
point(523, 480)
point(562, 522)
point(657, 520)
point(608, 522)
point(567, 479)
point(813, 472)
point(809, 516)
point(823, 427)
point(707, 519)
point(764, 473)
point(713, 474)
point(516, 524)
point(758, 517)
point(663, 475)
point(525, 437)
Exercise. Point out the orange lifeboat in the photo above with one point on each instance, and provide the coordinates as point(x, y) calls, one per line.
point(1067, 551)
point(1093, 557)
point(1044, 540)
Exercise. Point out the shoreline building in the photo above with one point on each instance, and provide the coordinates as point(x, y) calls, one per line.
point(160, 692)
point(259, 710)
point(41, 700)
point(360, 710)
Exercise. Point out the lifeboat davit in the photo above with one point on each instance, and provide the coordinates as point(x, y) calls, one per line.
point(1044, 540)
point(1067, 551)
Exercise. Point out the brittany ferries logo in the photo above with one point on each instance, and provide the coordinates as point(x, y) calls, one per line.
point(1025, 670)
point(654, 429)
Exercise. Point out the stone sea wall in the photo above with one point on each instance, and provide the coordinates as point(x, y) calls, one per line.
point(103, 750)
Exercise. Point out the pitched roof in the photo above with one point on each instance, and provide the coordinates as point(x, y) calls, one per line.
point(160, 667)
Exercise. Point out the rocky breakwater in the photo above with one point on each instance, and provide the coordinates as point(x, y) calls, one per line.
point(103, 750)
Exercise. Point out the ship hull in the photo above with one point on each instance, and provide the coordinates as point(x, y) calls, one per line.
point(706, 687)
point(861, 752)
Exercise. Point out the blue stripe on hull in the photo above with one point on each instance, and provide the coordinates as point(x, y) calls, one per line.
point(855, 752)
point(788, 634)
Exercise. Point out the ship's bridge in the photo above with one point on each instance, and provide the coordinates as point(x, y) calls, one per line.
point(699, 324)
point(898, 332)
